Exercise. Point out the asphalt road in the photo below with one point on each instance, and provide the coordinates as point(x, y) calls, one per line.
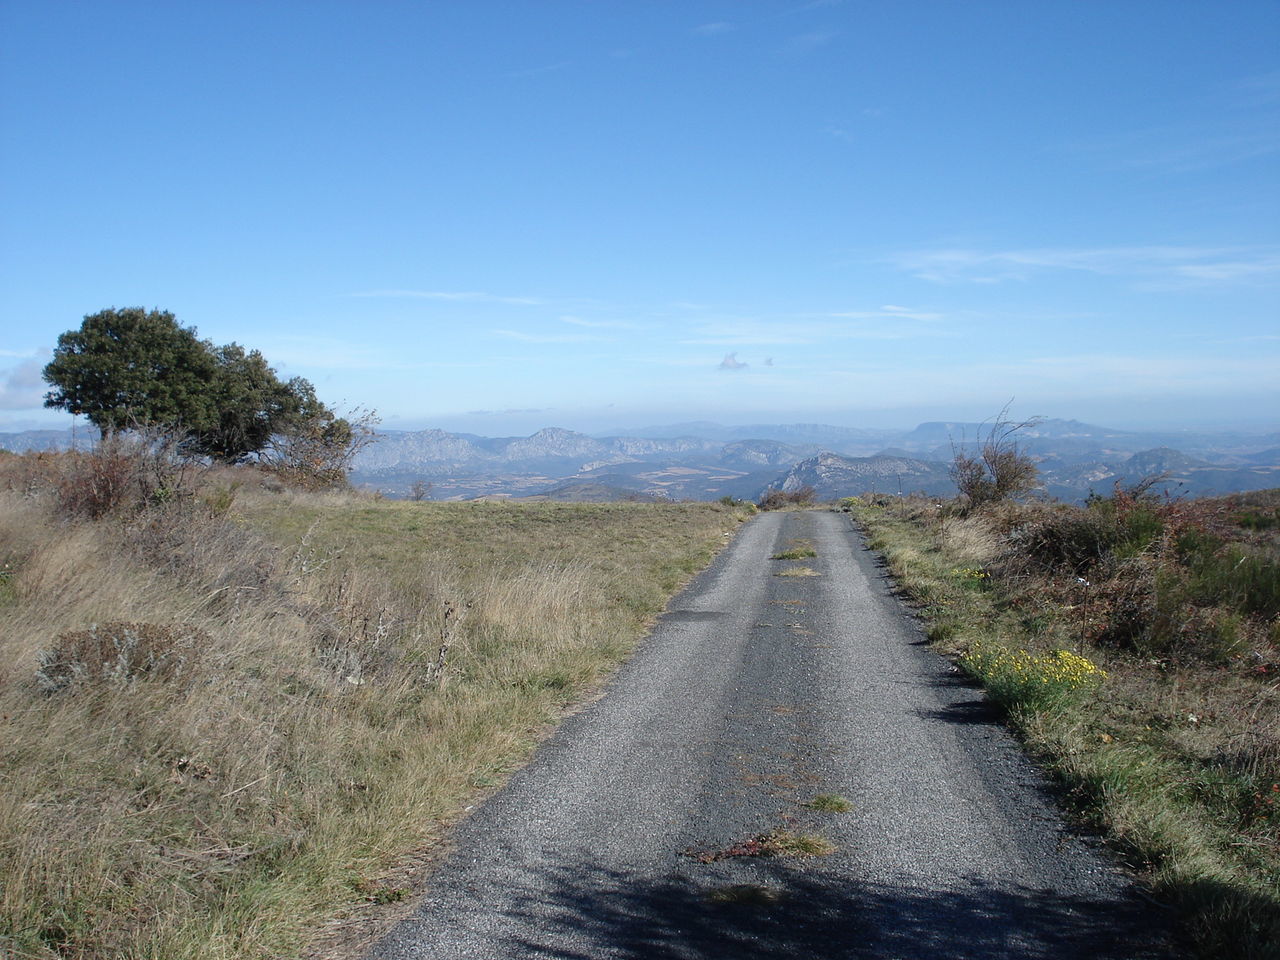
point(755, 693)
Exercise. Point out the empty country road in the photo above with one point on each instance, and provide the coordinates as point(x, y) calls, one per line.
point(766, 684)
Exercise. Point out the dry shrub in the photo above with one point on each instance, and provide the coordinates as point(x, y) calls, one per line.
point(118, 652)
point(123, 473)
point(778, 499)
point(998, 469)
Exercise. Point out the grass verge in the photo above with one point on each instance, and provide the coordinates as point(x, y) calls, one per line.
point(1165, 736)
point(229, 710)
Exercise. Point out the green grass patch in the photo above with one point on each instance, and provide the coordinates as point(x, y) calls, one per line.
point(796, 553)
point(829, 803)
point(789, 843)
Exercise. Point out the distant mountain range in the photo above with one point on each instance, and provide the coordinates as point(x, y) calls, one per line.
point(705, 461)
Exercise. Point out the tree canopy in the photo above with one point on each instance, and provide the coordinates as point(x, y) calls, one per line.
point(132, 368)
point(129, 368)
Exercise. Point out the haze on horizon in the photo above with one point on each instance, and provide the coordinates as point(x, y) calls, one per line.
point(493, 218)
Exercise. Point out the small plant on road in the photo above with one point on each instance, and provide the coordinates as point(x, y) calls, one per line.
point(798, 572)
point(795, 553)
point(829, 803)
point(775, 843)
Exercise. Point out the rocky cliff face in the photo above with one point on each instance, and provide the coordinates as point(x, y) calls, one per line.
point(833, 476)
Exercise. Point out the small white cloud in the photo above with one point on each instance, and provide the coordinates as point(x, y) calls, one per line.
point(23, 388)
point(714, 29)
point(731, 362)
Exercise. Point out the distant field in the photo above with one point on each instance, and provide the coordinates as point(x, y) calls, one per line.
point(252, 705)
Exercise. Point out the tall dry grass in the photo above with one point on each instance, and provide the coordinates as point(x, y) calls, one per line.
point(363, 667)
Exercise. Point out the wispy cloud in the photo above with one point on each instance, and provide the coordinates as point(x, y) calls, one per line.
point(731, 362)
point(526, 337)
point(890, 311)
point(1167, 263)
point(538, 71)
point(714, 29)
point(806, 43)
point(599, 324)
point(296, 351)
point(467, 296)
point(1234, 123)
point(883, 324)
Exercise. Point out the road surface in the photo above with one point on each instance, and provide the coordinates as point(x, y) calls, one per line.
point(628, 835)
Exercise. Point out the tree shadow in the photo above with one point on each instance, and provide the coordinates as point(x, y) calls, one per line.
point(770, 909)
point(976, 712)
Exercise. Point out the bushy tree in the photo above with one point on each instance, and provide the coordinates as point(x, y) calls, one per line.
point(127, 369)
point(133, 367)
point(250, 405)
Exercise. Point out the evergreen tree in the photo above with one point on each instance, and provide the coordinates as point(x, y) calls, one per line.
point(132, 368)
point(128, 369)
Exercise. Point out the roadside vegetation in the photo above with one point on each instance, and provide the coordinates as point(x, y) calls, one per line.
point(231, 705)
point(1134, 643)
point(801, 499)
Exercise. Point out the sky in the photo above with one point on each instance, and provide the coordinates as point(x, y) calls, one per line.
point(495, 217)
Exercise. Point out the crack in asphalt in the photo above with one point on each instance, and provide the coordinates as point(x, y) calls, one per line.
point(637, 831)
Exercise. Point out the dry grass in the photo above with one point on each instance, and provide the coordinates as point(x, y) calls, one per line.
point(1176, 753)
point(801, 571)
point(361, 667)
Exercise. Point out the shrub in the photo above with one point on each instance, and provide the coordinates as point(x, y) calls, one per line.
point(118, 652)
point(1018, 678)
point(778, 499)
point(318, 451)
point(122, 473)
point(998, 469)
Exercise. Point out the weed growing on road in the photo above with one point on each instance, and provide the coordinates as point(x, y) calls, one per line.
point(775, 843)
point(787, 843)
point(829, 803)
point(796, 553)
point(798, 572)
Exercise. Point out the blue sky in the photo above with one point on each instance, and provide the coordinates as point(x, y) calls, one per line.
point(501, 216)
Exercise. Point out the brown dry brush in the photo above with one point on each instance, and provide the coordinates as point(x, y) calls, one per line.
point(779, 499)
point(1186, 603)
point(169, 681)
point(1177, 753)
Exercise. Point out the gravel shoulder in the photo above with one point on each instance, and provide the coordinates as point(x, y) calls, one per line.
point(628, 835)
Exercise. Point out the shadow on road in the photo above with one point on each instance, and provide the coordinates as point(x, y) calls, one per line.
point(784, 912)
